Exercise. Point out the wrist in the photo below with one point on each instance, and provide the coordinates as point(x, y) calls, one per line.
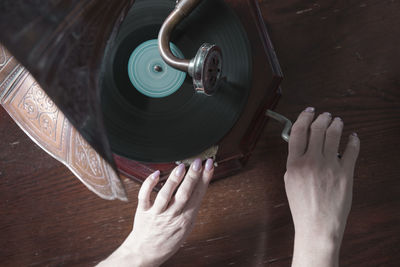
point(125, 257)
point(326, 241)
point(316, 250)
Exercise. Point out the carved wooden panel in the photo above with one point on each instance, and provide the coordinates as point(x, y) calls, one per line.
point(37, 115)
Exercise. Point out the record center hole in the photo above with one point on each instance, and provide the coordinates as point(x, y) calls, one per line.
point(158, 68)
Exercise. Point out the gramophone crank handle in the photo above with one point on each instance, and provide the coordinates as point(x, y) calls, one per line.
point(288, 124)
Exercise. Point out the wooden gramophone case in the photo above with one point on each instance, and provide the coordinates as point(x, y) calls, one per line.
point(52, 91)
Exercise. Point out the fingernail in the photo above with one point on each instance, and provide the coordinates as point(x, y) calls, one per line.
point(328, 114)
point(338, 118)
point(180, 170)
point(354, 134)
point(155, 175)
point(197, 165)
point(209, 164)
point(310, 109)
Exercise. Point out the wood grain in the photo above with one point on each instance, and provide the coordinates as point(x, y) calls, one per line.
point(339, 56)
point(41, 120)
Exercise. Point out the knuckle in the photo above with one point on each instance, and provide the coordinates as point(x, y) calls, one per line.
point(318, 127)
point(287, 176)
point(183, 197)
point(339, 123)
point(331, 173)
point(147, 183)
point(305, 117)
point(299, 128)
point(164, 195)
point(185, 221)
point(144, 185)
point(334, 130)
point(294, 168)
point(333, 134)
point(192, 176)
point(141, 199)
point(141, 196)
point(173, 181)
point(312, 163)
point(207, 177)
point(354, 145)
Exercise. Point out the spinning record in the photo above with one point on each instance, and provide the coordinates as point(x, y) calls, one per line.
point(151, 111)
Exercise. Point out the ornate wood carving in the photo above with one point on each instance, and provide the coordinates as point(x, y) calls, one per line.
point(38, 116)
point(62, 44)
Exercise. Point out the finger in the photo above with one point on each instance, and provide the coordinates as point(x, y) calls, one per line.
point(332, 138)
point(164, 196)
point(351, 153)
point(317, 134)
point(193, 205)
point(299, 133)
point(184, 192)
point(145, 191)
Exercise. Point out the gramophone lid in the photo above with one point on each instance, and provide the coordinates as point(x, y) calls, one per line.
point(62, 44)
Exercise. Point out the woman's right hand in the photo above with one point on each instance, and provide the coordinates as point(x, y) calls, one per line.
point(319, 187)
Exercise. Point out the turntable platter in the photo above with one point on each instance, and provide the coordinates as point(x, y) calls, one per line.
point(146, 125)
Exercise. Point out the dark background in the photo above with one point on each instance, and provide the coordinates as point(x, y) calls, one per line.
point(339, 56)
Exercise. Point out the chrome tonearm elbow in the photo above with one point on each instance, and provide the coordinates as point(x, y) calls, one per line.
point(206, 67)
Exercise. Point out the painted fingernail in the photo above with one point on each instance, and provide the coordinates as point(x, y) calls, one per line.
point(155, 175)
point(180, 170)
point(209, 164)
point(197, 165)
point(354, 134)
point(328, 114)
point(310, 109)
point(338, 118)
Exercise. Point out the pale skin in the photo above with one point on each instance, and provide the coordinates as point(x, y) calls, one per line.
point(318, 186)
point(161, 227)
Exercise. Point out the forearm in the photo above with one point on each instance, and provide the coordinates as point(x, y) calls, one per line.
point(315, 251)
point(123, 257)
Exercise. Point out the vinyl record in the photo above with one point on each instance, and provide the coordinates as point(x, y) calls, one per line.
point(172, 123)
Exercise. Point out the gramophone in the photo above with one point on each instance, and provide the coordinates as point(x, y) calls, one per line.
point(124, 88)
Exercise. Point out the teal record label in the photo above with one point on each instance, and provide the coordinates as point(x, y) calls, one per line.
point(150, 75)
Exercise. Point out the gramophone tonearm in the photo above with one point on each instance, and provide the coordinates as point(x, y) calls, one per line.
point(205, 68)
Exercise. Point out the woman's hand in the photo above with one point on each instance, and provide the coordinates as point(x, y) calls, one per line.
point(161, 227)
point(319, 187)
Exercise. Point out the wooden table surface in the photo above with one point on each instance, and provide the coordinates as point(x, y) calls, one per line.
point(339, 56)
